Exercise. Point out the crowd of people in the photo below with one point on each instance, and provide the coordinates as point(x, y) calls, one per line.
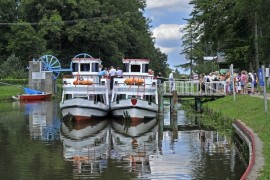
point(242, 83)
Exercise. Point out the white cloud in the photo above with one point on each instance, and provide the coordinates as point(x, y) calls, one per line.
point(168, 32)
point(167, 50)
point(167, 23)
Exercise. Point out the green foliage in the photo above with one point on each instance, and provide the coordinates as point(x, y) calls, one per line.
point(229, 26)
point(12, 68)
point(108, 29)
point(24, 41)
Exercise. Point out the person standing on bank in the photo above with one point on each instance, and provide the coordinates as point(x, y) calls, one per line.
point(171, 81)
point(112, 73)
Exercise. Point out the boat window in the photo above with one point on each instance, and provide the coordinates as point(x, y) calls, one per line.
point(122, 96)
point(132, 96)
point(85, 67)
point(75, 67)
point(95, 67)
point(150, 98)
point(144, 68)
point(135, 68)
point(126, 67)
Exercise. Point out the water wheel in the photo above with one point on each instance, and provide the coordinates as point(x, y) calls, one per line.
point(50, 63)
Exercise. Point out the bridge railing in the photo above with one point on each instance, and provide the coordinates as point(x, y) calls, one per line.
point(195, 87)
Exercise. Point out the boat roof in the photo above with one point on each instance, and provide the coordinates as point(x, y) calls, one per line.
point(85, 57)
point(86, 60)
point(145, 61)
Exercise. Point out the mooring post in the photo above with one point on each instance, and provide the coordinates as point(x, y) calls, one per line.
point(198, 105)
point(173, 108)
point(160, 102)
point(160, 131)
point(175, 100)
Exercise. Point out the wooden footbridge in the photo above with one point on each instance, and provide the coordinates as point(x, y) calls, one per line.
point(190, 89)
point(194, 89)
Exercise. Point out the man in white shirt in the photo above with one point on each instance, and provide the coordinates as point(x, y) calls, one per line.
point(171, 81)
point(112, 73)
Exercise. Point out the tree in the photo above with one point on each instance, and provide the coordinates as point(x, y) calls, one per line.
point(108, 29)
point(12, 68)
point(25, 41)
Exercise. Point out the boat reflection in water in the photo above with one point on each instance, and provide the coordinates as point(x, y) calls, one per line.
point(44, 123)
point(84, 143)
point(133, 142)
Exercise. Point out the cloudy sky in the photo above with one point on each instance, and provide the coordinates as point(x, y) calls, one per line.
point(167, 22)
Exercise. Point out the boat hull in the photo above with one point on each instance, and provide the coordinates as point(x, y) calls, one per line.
point(127, 109)
point(33, 97)
point(82, 109)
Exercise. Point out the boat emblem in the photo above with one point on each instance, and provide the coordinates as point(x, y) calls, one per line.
point(134, 101)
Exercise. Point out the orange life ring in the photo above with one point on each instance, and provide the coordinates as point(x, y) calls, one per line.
point(134, 81)
point(82, 82)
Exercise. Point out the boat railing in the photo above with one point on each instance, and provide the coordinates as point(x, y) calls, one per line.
point(95, 80)
point(195, 87)
point(147, 82)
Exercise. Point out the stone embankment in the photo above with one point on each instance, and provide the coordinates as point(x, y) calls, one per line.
point(256, 159)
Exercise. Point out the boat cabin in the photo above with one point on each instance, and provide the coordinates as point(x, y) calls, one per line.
point(85, 82)
point(133, 67)
point(137, 82)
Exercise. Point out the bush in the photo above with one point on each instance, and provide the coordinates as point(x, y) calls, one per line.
point(12, 69)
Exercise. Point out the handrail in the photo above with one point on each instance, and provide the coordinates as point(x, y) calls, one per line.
point(195, 87)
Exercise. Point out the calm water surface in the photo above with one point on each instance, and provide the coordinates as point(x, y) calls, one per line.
point(36, 144)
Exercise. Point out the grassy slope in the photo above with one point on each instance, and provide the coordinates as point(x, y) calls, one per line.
point(6, 92)
point(251, 111)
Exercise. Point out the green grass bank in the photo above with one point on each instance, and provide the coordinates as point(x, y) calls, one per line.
point(251, 111)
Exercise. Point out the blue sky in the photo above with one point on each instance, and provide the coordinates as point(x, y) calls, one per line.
point(167, 22)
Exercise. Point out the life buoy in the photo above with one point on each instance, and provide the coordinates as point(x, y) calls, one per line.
point(134, 81)
point(82, 82)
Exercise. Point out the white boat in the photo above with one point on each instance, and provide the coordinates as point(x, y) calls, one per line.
point(135, 94)
point(84, 94)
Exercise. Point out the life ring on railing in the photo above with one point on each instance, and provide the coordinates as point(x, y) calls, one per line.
point(82, 82)
point(134, 81)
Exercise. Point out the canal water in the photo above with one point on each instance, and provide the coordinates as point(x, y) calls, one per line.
point(36, 144)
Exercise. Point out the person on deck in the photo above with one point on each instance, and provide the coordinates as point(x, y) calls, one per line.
point(112, 73)
point(119, 72)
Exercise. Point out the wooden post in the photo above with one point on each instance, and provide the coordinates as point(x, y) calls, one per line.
point(198, 105)
point(160, 102)
point(160, 130)
point(175, 100)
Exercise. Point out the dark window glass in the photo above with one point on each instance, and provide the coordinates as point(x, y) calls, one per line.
point(85, 67)
point(95, 67)
point(145, 68)
point(75, 67)
point(126, 67)
point(135, 68)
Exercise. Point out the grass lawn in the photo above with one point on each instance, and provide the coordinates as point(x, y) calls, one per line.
point(6, 92)
point(250, 110)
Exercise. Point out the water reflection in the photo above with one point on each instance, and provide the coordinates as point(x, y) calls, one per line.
point(44, 124)
point(134, 142)
point(110, 148)
point(85, 144)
